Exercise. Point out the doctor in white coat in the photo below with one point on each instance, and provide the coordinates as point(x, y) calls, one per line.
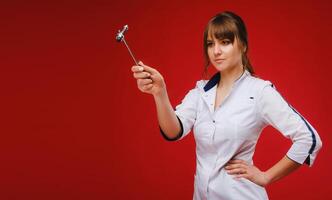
point(227, 115)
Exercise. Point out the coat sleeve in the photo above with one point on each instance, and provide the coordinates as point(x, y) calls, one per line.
point(275, 111)
point(186, 114)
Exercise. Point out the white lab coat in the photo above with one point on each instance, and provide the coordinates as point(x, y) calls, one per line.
point(232, 130)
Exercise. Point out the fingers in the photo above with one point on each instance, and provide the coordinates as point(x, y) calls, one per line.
point(234, 161)
point(144, 87)
point(147, 68)
point(234, 166)
point(147, 87)
point(237, 171)
point(141, 75)
point(147, 78)
point(143, 71)
point(136, 69)
point(143, 82)
point(237, 168)
point(142, 67)
point(241, 169)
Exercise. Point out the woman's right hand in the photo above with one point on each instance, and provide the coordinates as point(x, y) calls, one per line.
point(149, 80)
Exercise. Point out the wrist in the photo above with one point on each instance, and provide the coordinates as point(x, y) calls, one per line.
point(162, 94)
point(267, 178)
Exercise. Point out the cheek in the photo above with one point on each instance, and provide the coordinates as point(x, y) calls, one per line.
point(210, 52)
point(229, 50)
point(232, 52)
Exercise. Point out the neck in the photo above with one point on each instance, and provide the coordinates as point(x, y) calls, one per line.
point(228, 77)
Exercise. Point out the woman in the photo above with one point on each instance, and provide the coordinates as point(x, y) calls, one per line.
point(227, 114)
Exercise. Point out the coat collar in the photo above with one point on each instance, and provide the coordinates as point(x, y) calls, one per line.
point(216, 78)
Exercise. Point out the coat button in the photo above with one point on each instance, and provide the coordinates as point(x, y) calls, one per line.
point(214, 121)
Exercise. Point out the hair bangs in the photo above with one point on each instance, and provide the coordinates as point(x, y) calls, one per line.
point(222, 29)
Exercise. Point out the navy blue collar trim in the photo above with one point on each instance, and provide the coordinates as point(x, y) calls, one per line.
point(212, 82)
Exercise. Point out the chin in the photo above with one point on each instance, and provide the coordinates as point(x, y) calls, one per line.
point(220, 67)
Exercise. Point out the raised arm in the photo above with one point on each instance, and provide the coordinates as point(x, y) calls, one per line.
point(150, 81)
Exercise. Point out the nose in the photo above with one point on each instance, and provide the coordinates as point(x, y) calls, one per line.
point(217, 49)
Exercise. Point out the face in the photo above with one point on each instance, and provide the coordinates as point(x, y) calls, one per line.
point(223, 54)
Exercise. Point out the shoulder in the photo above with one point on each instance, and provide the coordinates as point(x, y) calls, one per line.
point(258, 83)
point(195, 91)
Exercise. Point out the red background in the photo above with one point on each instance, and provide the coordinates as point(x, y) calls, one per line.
point(75, 126)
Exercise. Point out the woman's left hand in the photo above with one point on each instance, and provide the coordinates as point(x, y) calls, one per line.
point(241, 169)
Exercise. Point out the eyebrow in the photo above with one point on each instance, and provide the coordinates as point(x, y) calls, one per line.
point(209, 40)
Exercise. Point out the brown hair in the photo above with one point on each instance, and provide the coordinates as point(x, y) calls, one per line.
point(227, 25)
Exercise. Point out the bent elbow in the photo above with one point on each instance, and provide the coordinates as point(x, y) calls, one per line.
point(319, 143)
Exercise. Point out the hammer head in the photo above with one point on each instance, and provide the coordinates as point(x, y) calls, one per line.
point(120, 35)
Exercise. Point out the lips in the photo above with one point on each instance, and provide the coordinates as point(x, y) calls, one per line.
point(219, 60)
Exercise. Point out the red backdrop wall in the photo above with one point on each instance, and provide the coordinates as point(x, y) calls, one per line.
point(74, 125)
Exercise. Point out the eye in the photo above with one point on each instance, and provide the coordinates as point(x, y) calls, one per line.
point(225, 42)
point(209, 43)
